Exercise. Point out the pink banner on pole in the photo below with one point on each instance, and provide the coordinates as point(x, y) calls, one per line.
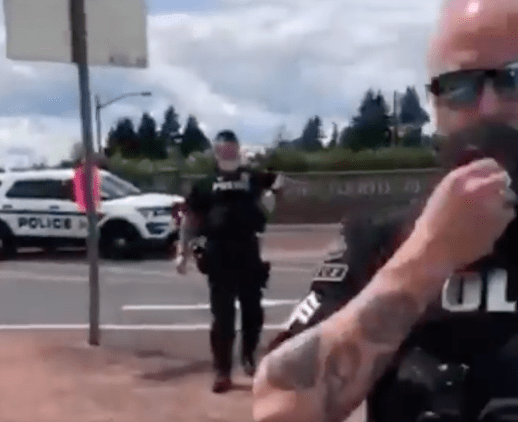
point(80, 187)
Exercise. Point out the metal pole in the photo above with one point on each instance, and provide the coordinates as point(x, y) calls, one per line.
point(79, 56)
point(98, 120)
point(395, 123)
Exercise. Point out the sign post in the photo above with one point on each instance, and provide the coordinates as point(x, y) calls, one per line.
point(57, 31)
point(79, 56)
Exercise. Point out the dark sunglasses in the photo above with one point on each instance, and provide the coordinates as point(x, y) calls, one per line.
point(464, 87)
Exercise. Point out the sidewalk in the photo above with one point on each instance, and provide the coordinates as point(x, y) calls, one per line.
point(59, 378)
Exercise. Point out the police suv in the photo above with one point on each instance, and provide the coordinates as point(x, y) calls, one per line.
point(37, 208)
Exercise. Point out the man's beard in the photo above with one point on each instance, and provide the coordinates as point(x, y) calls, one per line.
point(495, 140)
point(498, 141)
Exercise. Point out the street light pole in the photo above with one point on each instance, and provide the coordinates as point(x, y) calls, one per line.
point(99, 106)
point(98, 121)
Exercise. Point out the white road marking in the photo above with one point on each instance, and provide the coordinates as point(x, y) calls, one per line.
point(105, 273)
point(267, 303)
point(173, 327)
point(24, 275)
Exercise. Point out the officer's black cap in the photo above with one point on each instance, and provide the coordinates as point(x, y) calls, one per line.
point(226, 136)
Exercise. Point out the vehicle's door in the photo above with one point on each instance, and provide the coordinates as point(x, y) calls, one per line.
point(26, 208)
point(66, 221)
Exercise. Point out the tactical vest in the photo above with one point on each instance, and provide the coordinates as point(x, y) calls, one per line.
point(234, 210)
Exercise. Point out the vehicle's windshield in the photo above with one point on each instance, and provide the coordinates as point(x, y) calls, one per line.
point(113, 187)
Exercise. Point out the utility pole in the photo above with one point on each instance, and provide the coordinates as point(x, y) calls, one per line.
point(80, 57)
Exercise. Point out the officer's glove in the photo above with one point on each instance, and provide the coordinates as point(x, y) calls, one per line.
point(181, 264)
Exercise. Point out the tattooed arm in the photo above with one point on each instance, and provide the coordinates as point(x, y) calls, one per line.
point(188, 229)
point(324, 373)
point(196, 207)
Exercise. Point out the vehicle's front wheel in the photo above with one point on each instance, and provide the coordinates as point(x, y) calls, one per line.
point(119, 240)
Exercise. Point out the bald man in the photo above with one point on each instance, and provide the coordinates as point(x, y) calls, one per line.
point(418, 315)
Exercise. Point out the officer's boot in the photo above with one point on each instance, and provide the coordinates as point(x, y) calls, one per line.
point(222, 348)
point(249, 346)
point(248, 362)
point(252, 322)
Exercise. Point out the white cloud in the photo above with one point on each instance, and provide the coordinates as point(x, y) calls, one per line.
point(252, 66)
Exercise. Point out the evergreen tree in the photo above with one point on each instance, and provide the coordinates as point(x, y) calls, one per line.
point(414, 117)
point(193, 138)
point(334, 137)
point(370, 128)
point(124, 139)
point(311, 139)
point(170, 130)
point(170, 127)
point(147, 135)
point(411, 110)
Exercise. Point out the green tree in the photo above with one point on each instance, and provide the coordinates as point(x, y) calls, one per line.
point(411, 110)
point(124, 139)
point(193, 138)
point(311, 138)
point(334, 137)
point(170, 130)
point(413, 117)
point(147, 134)
point(370, 128)
point(170, 127)
point(348, 137)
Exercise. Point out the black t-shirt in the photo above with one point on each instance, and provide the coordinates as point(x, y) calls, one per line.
point(477, 306)
point(475, 315)
point(228, 203)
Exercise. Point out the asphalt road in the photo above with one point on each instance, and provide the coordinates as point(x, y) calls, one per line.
point(38, 288)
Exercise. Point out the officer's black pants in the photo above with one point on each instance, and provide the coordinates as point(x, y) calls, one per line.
point(222, 301)
point(234, 274)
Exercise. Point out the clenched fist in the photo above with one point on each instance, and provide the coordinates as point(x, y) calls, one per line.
point(467, 213)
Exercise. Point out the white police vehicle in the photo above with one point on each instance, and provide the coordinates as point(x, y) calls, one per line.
point(37, 208)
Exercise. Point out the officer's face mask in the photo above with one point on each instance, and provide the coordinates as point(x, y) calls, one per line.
point(495, 140)
point(227, 155)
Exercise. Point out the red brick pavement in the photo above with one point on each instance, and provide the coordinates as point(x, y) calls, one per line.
point(59, 378)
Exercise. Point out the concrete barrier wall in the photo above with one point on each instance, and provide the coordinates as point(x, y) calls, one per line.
point(326, 197)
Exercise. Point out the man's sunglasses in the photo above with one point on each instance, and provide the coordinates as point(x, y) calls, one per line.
point(464, 87)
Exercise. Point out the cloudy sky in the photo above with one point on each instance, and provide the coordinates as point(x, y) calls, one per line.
point(251, 65)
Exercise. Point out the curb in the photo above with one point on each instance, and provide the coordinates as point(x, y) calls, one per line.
point(178, 341)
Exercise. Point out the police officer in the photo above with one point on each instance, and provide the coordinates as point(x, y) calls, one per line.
point(421, 316)
point(224, 208)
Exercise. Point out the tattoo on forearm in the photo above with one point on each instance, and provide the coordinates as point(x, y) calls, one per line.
point(385, 320)
point(296, 366)
point(388, 318)
point(341, 376)
point(340, 372)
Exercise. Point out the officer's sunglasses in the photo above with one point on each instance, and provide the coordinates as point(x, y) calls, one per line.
point(463, 88)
